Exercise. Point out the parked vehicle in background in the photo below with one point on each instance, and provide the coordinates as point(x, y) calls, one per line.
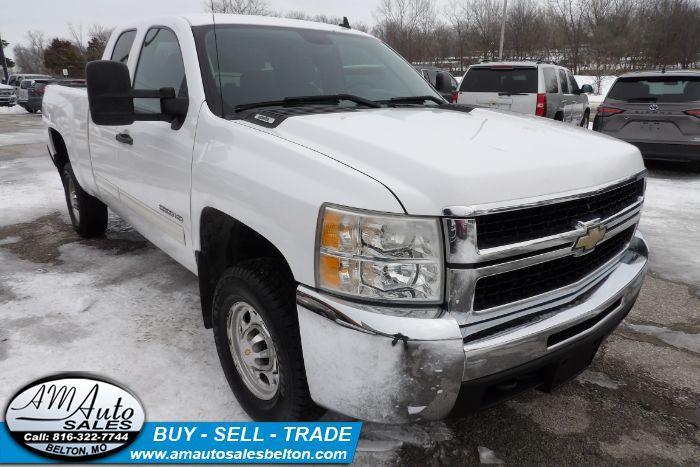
point(659, 112)
point(534, 88)
point(349, 259)
point(32, 91)
point(15, 80)
point(433, 75)
point(7, 95)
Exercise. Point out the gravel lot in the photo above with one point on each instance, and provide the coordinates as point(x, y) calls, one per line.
point(120, 307)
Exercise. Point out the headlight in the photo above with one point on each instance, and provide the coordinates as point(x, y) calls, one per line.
point(378, 256)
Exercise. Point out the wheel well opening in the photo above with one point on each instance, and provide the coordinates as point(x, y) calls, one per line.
point(61, 156)
point(225, 242)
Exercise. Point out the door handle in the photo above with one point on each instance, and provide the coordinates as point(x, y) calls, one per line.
point(124, 138)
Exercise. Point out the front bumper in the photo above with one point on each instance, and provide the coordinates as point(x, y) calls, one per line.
point(677, 152)
point(400, 364)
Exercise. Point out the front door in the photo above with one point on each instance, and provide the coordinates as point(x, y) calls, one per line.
point(103, 143)
point(154, 187)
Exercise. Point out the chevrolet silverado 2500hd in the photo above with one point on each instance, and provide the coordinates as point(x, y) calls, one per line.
point(347, 258)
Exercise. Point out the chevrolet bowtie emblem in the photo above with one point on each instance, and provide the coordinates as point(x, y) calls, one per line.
point(588, 241)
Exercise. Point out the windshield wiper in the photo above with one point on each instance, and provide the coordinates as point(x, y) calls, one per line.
point(506, 93)
point(642, 99)
point(333, 99)
point(412, 100)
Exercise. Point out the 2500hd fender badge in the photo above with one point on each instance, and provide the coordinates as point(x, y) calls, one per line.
point(74, 416)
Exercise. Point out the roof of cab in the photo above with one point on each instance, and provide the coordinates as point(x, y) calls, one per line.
point(220, 19)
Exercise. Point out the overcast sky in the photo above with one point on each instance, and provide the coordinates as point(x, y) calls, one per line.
point(52, 16)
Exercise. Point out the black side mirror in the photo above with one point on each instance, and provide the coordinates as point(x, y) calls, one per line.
point(587, 89)
point(111, 98)
point(109, 93)
point(443, 84)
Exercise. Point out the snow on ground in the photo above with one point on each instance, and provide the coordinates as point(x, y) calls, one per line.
point(14, 110)
point(671, 224)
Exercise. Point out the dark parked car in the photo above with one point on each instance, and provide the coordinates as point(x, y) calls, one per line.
point(431, 73)
point(659, 112)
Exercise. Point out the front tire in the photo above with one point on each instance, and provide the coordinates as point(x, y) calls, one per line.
point(87, 213)
point(257, 338)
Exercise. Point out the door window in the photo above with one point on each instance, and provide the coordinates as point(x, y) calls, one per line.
point(550, 80)
point(563, 82)
point(123, 46)
point(573, 85)
point(160, 66)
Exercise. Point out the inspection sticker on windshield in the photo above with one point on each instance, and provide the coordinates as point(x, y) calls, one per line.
point(74, 416)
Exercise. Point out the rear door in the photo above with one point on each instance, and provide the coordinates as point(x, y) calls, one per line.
point(23, 93)
point(660, 109)
point(502, 87)
point(567, 100)
point(578, 100)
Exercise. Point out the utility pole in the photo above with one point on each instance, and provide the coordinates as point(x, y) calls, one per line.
point(503, 30)
point(5, 75)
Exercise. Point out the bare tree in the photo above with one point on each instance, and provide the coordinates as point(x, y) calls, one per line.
point(569, 15)
point(77, 39)
point(526, 26)
point(485, 20)
point(406, 25)
point(458, 17)
point(30, 58)
point(239, 7)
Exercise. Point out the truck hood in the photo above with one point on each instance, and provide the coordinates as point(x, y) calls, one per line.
point(435, 158)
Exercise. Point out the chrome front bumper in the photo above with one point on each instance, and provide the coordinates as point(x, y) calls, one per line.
point(399, 365)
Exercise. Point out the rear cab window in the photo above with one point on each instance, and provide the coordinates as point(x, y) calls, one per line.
point(122, 47)
point(500, 79)
point(656, 89)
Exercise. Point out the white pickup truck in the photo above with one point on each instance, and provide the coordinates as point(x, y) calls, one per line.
point(349, 256)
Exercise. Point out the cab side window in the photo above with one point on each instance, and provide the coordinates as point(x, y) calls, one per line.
point(563, 82)
point(122, 47)
point(160, 66)
point(573, 84)
point(550, 80)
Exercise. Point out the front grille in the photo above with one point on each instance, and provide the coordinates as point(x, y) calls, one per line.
point(541, 221)
point(511, 286)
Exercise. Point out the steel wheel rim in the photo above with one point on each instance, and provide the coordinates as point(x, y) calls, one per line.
point(252, 350)
point(73, 200)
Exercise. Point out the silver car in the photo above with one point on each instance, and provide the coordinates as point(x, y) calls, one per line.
point(535, 88)
point(659, 112)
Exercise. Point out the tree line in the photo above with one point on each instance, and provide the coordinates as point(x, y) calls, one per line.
point(39, 55)
point(589, 36)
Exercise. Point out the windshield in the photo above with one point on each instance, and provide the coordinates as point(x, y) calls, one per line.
point(505, 80)
point(259, 64)
point(656, 89)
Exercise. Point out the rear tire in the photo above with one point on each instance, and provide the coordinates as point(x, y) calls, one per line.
point(87, 213)
point(586, 120)
point(257, 338)
point(559, 117)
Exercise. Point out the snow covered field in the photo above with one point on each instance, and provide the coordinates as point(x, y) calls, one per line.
point(119, 307)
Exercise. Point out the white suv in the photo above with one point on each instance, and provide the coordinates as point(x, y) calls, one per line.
point(535, 88)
